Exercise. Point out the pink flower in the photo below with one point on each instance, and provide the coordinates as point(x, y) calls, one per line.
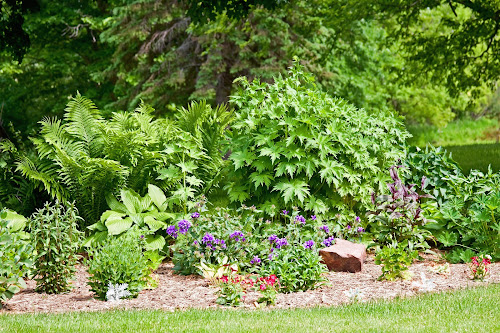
point(262, 287)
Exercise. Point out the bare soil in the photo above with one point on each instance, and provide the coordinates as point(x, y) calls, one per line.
point(183, 292)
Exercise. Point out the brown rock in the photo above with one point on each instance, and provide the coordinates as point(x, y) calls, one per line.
point(344, 256)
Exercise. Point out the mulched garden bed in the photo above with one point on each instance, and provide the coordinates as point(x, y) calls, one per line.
point(183, 292)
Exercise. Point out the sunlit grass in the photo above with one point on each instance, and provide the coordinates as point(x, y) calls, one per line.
point(473, 310)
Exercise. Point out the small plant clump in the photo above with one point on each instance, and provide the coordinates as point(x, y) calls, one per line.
point(55, 236)
point(479, 267)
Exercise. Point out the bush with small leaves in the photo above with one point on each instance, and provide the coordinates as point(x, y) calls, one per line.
point(118, 260)
point(55, 236)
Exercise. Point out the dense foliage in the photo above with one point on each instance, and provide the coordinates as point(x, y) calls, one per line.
point(56, 239)
point(293, 145)
point(15, 257)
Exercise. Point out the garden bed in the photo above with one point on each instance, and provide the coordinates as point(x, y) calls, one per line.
point(182, 292)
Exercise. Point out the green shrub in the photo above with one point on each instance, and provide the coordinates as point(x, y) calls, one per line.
point(133, 211)
point(118, 261)
point(55, 236)
point(294, 145)
point(297, 268)
point(15, 258)
point(395, 262)
point(86, 157)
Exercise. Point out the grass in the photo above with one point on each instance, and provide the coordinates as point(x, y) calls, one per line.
point(477, 156)
point(471, 310)
point(459, 132)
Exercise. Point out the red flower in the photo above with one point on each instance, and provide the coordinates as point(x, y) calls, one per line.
point(262, 287)
point(224, 279)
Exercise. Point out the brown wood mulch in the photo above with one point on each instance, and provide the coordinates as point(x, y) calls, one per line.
point(183, 292)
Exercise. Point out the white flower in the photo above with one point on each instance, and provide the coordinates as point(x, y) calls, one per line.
point(354, 295)
point(116, 292)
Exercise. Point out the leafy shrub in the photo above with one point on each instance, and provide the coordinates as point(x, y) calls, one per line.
point(294, 145)
point(15, 258)
point(395, 262)
point(398, 217)
point(117, 261)
point(146, 213)
point(55, 236)
point(436, 166)
point(86, 157)
point(297, 267)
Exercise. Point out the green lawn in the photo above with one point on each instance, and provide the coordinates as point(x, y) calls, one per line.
point(477, 156)
point(473, 310)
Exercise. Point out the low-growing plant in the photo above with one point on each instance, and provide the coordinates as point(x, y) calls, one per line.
point(268, 286)
point(15, 258)
point(55, 236)
point(297, 266)
point(231, 289)
point(395, 262)
point(398, 217)
point(479, 267)
point(117, 261)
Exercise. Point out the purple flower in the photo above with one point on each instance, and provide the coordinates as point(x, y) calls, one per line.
point(172, 231)
point(195, 215)
point(255, 260)
point(220, 242)
point(184, 226)
point(300, 218)
point(195, 242)
point(208, 239)
point(309, 244)
point(142, 236)
point(313, 217)
point(329, 241)
point(270, 256)
point(281, 242)
point(325, 228)
point(284, 212)
point(273, 238)
point(357, 219)
point(348, 227)
point(360, 229)
point(237, 236)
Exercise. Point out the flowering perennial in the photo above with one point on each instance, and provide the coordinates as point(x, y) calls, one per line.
point(184, 226)
point(309, 244)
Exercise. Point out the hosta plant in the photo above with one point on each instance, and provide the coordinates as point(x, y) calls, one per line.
point(294, 145)
point(146, 212)
point(15, 258)
point(55, 236)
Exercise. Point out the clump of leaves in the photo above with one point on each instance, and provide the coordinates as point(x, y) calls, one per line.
point(15, 257)
point(436, 165)
point(118, 261)
point(294, 145)
point(133, 211)
point(398, 216)
point(395, 262)
point(54, 233)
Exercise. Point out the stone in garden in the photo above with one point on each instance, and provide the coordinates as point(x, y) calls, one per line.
point(344, 256)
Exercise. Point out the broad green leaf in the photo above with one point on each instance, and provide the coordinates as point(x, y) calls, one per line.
point(156, 195)
point(118, 225)
point(155, 242)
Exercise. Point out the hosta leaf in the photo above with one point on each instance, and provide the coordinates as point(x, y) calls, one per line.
point(156, 195)
point(154, 242)
point(118, 225)
point(131, 201)
point(114, 204)
point(154, 224)
point(16, 222)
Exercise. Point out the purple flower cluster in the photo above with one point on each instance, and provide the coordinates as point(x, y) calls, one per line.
point(184, 226)
point(172, 231)
point(255, 260)
point(313, 217)
point(210, 241)
point(300, 219)
point(272, 238)
point(237, 236)
point(309, 244)
point(361, 229)
point(281, 242)
point(329, 241)
point(325, 228)
point(284, 212)
point(195, 215)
